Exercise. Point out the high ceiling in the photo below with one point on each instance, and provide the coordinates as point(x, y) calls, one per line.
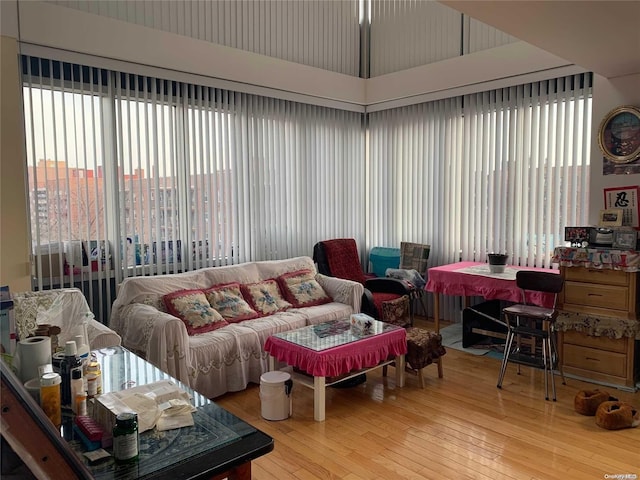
point(601, 36)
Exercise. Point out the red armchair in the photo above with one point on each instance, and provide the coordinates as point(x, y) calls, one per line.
point(339, 258)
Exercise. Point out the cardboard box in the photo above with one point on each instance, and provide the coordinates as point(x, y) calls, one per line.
point(51, 257)
point(50, 265)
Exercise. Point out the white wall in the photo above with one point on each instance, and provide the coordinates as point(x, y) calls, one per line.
point(607, 95)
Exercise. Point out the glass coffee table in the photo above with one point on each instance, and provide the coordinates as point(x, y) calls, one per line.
point(219, 445)
point(333, 349)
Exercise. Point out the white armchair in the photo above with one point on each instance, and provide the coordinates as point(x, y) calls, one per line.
point(68, 309)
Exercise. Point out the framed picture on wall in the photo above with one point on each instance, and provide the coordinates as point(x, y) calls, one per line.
point(625, 198)
point(619, 134)
point(619, 141)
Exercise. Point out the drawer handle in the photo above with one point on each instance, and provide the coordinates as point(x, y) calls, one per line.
point(594, 295)
point(593, 359)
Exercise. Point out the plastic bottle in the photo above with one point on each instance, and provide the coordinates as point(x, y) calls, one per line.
point(125, 438)
point(77, 387)
point(82, 349)
point(80, 404)
point(93, 377)
point(50, 397)
point(70, 363)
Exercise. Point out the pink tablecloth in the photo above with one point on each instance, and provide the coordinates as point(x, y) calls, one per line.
point(447, 280)
point(364, 353)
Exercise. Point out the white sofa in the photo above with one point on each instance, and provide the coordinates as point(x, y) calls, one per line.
point(228, 358)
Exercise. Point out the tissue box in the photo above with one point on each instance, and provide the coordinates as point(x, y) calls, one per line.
point(361, 323)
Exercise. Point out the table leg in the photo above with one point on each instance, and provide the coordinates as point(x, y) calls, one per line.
point(400, 367)
point(436, 310)
point(272, 363)
point(318, 399)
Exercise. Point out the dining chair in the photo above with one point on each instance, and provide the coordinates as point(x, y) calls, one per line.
point(415, 256)
point(530, 328)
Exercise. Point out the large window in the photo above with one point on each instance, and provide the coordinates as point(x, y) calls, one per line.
point(497, 171)
point(133, 175)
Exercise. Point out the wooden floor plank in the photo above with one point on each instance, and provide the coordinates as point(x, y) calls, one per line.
point(460, 426)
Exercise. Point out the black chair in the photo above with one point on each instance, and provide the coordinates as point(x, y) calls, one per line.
point(530, 329)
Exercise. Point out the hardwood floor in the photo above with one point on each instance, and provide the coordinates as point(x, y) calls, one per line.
point(460, 426)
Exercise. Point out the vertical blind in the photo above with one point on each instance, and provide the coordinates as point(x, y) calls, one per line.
point(133, 175)
point(503, 170)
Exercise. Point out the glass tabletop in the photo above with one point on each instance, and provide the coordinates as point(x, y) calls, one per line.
point(333, 334)
point(217, 435)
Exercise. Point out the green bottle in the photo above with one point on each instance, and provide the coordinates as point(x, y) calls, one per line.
point(125, 438)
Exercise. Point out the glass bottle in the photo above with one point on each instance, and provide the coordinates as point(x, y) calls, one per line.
point(50, 397)
point(125, 437)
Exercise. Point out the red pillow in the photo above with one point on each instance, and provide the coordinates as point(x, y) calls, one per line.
point(192, 307)
point(265, 297)
point(227, 299)
point(301, 289)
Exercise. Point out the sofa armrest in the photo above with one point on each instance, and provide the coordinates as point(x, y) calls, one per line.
point(388, 285)
point(161, 337)
point(342, 291)
point(101, 336)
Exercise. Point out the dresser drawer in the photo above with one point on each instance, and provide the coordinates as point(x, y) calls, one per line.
point(601, 343)
point(595, 295)
point(606, 277)
point(601, 361)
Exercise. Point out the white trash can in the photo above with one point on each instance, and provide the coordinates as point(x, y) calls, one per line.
point(275, 395)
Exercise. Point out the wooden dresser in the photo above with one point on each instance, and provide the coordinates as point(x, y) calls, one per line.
point(589, 297)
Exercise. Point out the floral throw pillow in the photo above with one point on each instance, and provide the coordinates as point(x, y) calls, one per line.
point(192, 307)
point(302, 290)
point(265, 297)
point(229, 302)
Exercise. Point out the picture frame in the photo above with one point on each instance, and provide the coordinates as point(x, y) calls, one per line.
point(625, 239)
point(626, 198)
point(611, 217)
point(576, 235)
point(619, 134)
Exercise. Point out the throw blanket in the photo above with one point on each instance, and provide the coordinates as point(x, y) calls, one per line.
point(411, 276)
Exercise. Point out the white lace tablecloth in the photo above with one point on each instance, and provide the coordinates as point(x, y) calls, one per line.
point(599, 258)
point(508, 274)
